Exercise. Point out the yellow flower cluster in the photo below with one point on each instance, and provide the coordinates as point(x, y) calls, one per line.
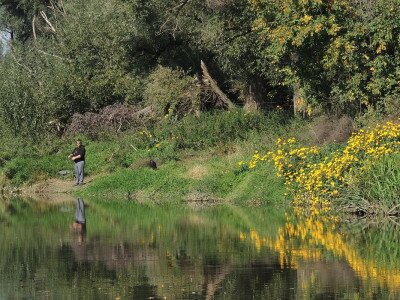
point(316, 178)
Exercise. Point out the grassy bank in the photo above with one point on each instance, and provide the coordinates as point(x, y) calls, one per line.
point(203, 178)
point(196, 160)
point(211, 159)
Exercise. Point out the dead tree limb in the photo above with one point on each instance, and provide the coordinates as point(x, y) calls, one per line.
point(57, 7)
point(145, 111)
point(215, 283)
point(34, 28)
point(44, 16)
point(210, 82)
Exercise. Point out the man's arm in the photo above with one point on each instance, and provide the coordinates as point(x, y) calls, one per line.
point(75, 157)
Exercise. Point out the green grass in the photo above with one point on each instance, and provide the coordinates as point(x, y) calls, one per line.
point(166, 180)
point(376, 187)
point(178, 181)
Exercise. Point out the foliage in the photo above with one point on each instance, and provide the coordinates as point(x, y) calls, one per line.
point(81, 56)
point(23, 108)
point(172, 93)
point(342, 55)
point(85, 55)
point(82, 66)
point(212, 129)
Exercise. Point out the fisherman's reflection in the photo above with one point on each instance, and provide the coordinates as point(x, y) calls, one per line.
point(80, 220)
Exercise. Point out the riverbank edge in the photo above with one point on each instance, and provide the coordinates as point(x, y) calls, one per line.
point(195, 180)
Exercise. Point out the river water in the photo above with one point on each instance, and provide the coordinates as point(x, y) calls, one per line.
point(132, 251)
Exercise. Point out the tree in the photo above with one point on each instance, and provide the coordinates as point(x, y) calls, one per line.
point(220, 33)
point(24, 17)
point(337, 55)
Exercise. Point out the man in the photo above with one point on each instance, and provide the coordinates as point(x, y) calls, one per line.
point(78, 156)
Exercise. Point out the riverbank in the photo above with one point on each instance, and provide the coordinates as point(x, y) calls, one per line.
point(202, 180)
point(196, 159)
point(215, 166)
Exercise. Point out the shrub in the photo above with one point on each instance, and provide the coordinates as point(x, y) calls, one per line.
point(375, 187)
point(318, 179)
point(173, 93)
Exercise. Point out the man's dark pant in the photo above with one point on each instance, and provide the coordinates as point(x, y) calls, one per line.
point(79, 169)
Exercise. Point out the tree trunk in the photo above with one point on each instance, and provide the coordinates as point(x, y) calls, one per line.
point(253, 97)
point(298, 101)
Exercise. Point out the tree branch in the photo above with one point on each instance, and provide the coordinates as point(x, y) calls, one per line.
point(175, 11)
point(223, 44)
point(34, 28)
point(59, 6)
point(44, 16)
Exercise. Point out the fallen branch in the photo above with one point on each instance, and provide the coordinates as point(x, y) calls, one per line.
point(394, 210)
point(44, 16)
point(145, 111)
point(209, 81)
point(394, 222)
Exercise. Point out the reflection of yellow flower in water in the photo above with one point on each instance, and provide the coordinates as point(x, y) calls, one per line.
point(314, 233)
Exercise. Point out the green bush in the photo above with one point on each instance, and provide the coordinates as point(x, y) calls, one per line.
point(172, 93)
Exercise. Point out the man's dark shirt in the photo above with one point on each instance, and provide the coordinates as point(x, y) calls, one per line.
point(79, 151)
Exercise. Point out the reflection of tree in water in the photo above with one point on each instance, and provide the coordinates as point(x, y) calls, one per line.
point(257, 280)
point(74, 264)
point(109, 264)
point(144, 290)
point(181, 273)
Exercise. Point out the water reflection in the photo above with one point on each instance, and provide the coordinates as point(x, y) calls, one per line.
point(225, 252)
point(79, 226)
point(326, 257)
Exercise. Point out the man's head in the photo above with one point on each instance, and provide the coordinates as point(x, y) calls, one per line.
point(78, 142)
